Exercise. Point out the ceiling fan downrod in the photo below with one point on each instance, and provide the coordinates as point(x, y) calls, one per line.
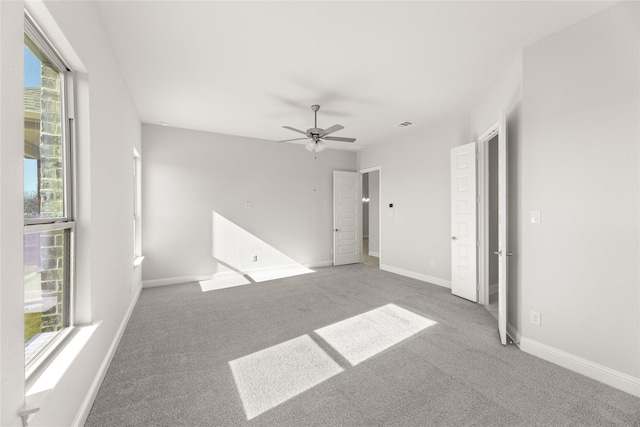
point(315, 109)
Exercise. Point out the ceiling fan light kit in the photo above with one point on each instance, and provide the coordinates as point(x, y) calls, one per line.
point(317, 146)
point(317, 135)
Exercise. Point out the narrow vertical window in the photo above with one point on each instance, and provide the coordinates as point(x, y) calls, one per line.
point(48, 217)
point(137, 209)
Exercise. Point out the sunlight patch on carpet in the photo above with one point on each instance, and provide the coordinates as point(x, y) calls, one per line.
point(281, 272)
point(269, 377)
point(365, 335)
point(228, 280)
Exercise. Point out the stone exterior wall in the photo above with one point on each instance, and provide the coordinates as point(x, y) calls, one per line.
point(52, 244)
point(51, 176)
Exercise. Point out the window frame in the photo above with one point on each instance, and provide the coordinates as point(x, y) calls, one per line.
point(137, 161)
point(67, 220)
point(137, 209)
point(66, 91)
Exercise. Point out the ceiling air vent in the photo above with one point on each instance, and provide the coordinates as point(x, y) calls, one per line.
point(404, 124)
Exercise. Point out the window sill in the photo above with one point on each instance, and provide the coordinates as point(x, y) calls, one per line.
point(39, 391)
point(47, 352)
point(137, 261)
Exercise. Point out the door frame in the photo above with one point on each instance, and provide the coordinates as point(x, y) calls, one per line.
point(379, 169)
point(483, 218)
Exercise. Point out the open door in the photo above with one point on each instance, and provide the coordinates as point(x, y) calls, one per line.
point(503, 229)
point(347, 203)
point(499, 162)
point(464, 212)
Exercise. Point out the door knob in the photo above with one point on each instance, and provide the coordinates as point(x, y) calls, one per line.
point(499, 253)
point(454, 238)
point(336, 229)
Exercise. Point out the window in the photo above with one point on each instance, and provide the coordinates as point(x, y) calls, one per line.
point(137, 219)
point(48, 215)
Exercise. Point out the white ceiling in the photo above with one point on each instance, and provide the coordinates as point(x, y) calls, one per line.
point(248, 68)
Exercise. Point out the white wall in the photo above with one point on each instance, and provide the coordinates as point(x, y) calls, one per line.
point(415, 178)
point(579, 166)
point(189, 174)
point(11, 222)
point(108, 129)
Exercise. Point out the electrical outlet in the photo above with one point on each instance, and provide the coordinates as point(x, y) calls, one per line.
point(255, 258)
point(535, 217)
point(534, 317)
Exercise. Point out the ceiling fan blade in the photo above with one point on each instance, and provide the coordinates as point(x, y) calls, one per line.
point(295, 130)
point(338, 138)
point(295, 139)
point(332, 129)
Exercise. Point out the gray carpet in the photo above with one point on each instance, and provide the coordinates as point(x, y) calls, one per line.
point(172, 366)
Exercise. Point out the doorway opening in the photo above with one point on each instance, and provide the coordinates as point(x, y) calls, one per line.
point(493, 251)
point(371, 217)
point(491, 212)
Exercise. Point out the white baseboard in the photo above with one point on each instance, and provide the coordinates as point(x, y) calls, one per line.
point(319, 264)
point(175, 280)
point(605, 375)
point(85, 408)
point(225, 274)
point(374, 253)
point(419, 276)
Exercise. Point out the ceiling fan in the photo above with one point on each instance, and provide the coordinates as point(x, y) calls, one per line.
point(316, 135)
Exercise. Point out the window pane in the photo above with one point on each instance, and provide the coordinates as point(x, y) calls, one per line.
point(43, 125)
point(46, 291)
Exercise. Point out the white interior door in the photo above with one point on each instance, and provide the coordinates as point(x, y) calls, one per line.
point(464, 212)
point(347, 203)
point(503, 224)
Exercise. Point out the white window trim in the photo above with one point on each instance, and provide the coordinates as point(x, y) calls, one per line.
point(41, 361)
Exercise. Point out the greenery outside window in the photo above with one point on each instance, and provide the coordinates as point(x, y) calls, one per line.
point(48, 210)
